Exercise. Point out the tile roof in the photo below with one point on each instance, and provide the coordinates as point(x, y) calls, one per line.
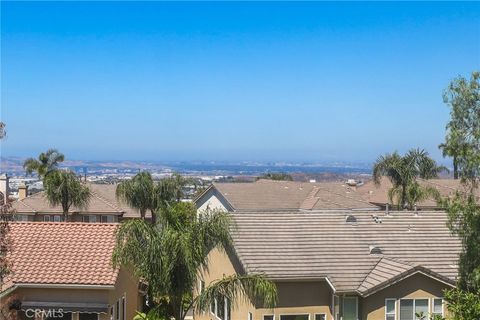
point(61, 253)
point(103, 200)
point(269, 195)
point(288, 245)
point(379, 193)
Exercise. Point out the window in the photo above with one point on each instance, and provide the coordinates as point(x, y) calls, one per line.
point(320, 316)
point(250, 316)
point(90, 219)
point(437, 308)
point(87, 316)
point(57, 218)
point(20, 217)
point(117, 310)
point(111, 312)
point(294, 317)
point(410, 308)
point(124, 308)
point(46, 218)
point(220, 307)
point(390, 309)
point(201, 286)
point(350, 308)
point(268, 317)
point(107, 219)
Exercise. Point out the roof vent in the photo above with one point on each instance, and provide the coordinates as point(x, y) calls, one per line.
point(377, 219)
point(351, 219)
point(375, 250)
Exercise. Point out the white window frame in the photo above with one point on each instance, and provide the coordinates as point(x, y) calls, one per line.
point(268, 315)
point(394, 309)
point(45, 218)
point(318, 314)
point(433, 305)
point(294, 314)
point(414, 305)
point(57, 218)
point(250, 316)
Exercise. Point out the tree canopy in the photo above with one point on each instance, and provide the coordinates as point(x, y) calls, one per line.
point(65, 189)
point(47, 162)
point(280, 176)
point(169, 255)
point(462, 139)
point(403, 172)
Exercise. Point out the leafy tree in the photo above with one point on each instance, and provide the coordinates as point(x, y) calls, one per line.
point(403, 172)
point(65, 189)
point(462, 141)
point(463, 305)
point(276, 176)
point(46, 163)
point(144, 194)
point(2, 130)
point(169, 255)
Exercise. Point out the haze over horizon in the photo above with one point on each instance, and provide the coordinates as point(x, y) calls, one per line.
point(231, 81)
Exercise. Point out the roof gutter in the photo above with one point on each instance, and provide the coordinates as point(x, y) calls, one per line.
point(56, 286)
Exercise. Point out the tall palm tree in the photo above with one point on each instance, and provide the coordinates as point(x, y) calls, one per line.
point(169, 255)
point(65, 189)
point(403, 172)
point(46, 163)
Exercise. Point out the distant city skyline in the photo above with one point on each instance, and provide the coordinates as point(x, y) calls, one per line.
point(231, 81)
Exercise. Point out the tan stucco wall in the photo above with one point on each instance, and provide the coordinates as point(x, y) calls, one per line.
point(416, 286)
point(300, 298)
point(220, 266)
point(127, 285)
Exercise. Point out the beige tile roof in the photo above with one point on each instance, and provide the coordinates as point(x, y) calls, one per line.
point(316, 245)
point(62, 253)
point(379, 193)
point(272, 195)
point(103, 200)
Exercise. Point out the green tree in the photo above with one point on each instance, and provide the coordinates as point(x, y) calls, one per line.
point(169, 255)
point(403, 172)
point(46, 163)
point(2, 130)
point(65, 189)
point(281, 176)
point(462, 140)
point(144, 194)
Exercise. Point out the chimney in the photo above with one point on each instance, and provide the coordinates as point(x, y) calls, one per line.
point(22, 191)
point(4, 188)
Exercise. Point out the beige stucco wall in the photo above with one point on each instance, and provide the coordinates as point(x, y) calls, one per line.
point(219, 267)
point(416, 286)
point(300, 298)
point(210, 200)
point(127, 285)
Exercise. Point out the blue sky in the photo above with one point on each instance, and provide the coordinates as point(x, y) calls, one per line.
point(231, 81)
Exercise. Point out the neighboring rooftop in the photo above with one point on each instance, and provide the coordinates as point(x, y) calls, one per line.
point(298, 245)
point(61, 254)
point(103, 200)
point(270, 195)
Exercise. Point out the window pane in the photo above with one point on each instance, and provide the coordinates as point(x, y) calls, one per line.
point(390, 317)
point(437, 306)
point(294, 317)
point(406, 309)
point(221, 308)
point(320, 317)
point(349, 308)
point(87, 316)
point(270, 317)
point(421, 309)
point(390, 306)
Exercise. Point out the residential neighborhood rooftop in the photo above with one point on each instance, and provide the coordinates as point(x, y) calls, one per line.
point(297, 245)
point(61, 254)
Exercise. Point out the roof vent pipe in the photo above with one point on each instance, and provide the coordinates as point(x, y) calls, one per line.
point(415, 209)
point(387, 209)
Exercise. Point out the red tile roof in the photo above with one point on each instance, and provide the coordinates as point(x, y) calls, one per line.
point(62, 254)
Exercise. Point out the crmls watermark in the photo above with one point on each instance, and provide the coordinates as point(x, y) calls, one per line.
point(42, 313)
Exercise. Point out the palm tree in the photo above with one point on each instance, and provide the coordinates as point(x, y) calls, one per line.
point(143, 194)
point(65, 189)
point(46, 163)
point(403, 172)
point(169, 255)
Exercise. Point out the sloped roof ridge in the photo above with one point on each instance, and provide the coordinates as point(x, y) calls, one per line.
point(344, 195)
point(108, 203)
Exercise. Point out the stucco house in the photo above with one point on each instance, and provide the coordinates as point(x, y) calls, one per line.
point(103, 207)
point(64, 271)
point(340, 266)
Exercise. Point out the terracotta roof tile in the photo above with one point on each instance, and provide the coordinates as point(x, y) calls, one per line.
point(62, 253)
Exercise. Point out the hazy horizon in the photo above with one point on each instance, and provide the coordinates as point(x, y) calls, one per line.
point(158, 81)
